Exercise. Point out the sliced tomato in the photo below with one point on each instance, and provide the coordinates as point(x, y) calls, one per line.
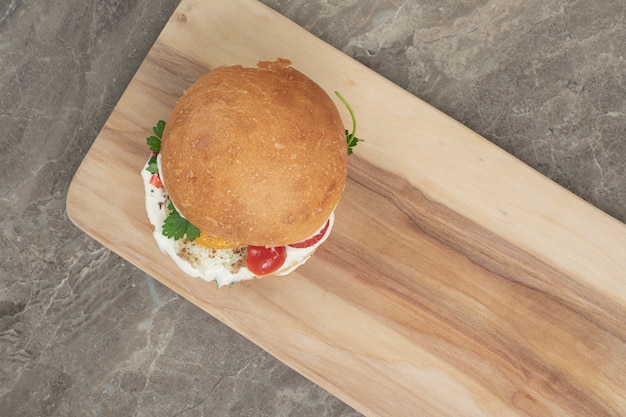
point(263, 260)
point(155, 180)
point(313, 239)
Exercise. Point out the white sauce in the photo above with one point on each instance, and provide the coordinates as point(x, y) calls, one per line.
point(205, 263)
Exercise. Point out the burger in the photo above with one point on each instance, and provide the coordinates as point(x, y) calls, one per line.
point(244, 177)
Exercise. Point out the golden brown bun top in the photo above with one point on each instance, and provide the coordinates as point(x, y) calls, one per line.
point(255, 155)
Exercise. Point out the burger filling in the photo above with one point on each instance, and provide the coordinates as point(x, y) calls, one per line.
point(212, 258)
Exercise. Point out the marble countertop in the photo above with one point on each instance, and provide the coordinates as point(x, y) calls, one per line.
point(82, 332)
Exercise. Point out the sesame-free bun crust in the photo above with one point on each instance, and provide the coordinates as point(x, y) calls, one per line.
point(255, 155)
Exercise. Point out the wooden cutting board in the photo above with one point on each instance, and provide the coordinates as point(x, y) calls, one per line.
point(457, 280)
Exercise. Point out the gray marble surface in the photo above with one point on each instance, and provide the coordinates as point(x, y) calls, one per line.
point(84, 333)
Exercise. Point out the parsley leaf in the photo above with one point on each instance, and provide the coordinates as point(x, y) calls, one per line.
point(154, 142)
point(351, 139)
point(152, 167)
point(176, 226)
point(158, 129)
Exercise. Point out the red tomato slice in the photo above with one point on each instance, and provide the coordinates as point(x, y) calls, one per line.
point(313, 239)
point(155, 180)
point(262, 260)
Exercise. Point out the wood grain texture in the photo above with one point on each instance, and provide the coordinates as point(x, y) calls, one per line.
point(457, 280)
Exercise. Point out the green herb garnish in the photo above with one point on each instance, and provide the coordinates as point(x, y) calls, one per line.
point(176, 226)
point(350, 137)
point(152, 167)
point(154, 142)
